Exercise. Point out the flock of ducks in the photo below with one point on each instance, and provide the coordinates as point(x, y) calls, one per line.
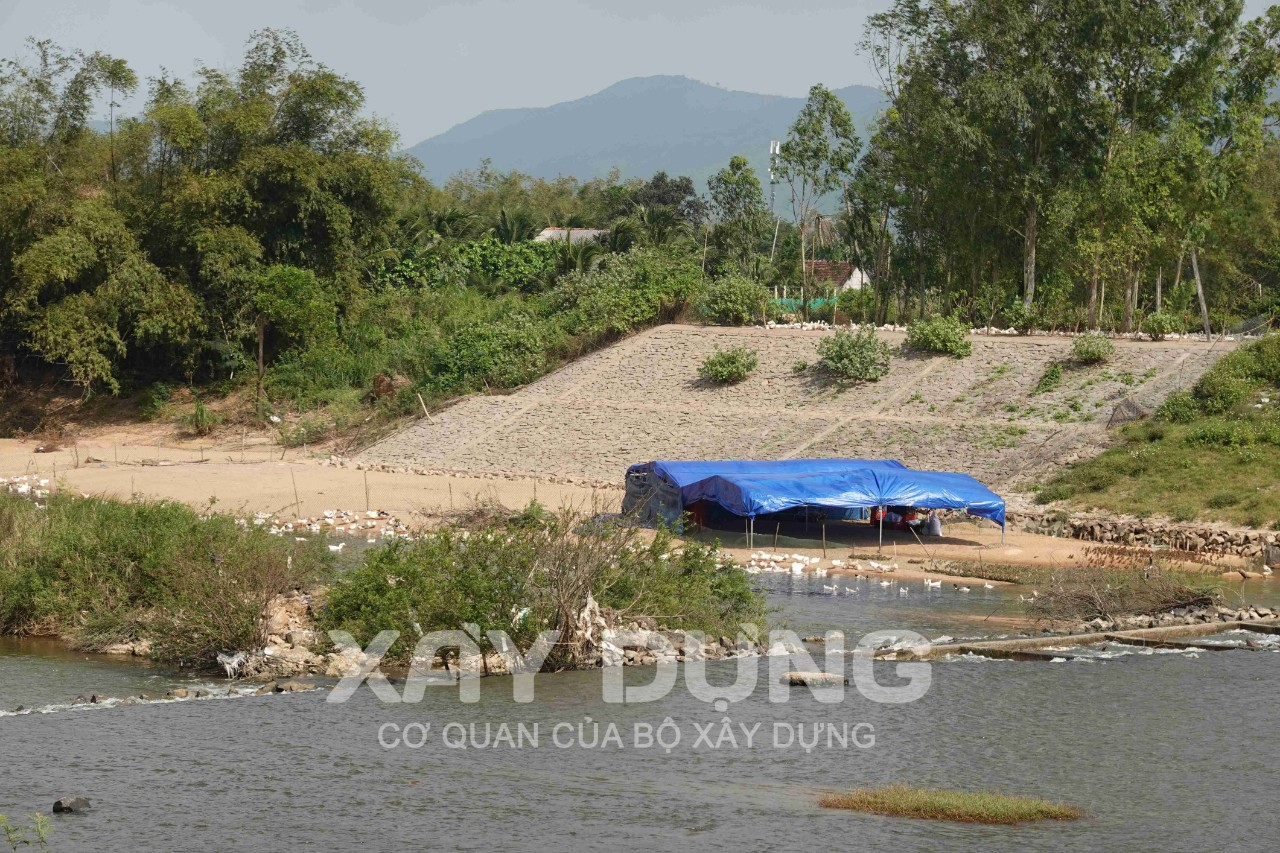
point(374, 525)
point(761, 562)
point(31, 486)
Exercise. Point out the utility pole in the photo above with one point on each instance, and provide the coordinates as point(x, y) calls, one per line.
point(775, 148)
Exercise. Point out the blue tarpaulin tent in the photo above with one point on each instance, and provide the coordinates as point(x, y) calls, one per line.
point(751, 488)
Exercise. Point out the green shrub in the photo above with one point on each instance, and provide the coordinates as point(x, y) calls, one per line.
point(1146, 431)
point(628, 292)
point(1220, 391)
point(800, 367)
point(939, 334)
point(733, 300)
point(523, 265)
point(1092, 349)
point(98, 571)
point(1019, 316)
point(1220, 433)
point(201, 420)
point(35, 836)
point(1237, 375)
point(526, 574)
point(503, 354)
point(1049, 380)
point(1178, 408)
point(1160, 325)
point(1222, 500)
point(1265, 358)
point(1098, 479)
point(854, 356)
point(730, 366)
point(309, 430)
point(857, 304)
point(154, 399)
point(1054, 492)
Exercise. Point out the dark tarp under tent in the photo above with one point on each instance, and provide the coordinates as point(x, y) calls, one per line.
point(662, 490)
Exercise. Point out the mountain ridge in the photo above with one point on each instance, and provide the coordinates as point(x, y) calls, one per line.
point(639, 125)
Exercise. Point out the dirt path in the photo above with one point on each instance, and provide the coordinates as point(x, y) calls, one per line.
point(259, 480)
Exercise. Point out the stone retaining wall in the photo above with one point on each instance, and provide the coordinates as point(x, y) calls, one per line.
point(1112, 529)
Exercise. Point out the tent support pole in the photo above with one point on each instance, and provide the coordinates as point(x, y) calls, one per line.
point(751, 532)
point(881, 530)
point(776, 530)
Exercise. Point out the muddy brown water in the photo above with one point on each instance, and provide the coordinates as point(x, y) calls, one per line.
point(1169, 751)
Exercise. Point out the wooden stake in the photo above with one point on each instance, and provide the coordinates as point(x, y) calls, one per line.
point(776, 530)
point(824, 540)
point(366, 490)
point(297, 504)
point(424, 408)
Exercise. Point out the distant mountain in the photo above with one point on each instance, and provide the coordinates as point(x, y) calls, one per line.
point(641, 126)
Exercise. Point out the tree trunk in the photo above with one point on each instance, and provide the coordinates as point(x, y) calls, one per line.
point(262, 365)
point(1204, 309)
point(1029, 254)
point(1130, 299)
point(804, 301)
point(946, 287)
point(922, 281)
point(1092, 322)
point(1159, 286)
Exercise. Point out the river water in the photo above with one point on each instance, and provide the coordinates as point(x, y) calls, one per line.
point(1165, 751)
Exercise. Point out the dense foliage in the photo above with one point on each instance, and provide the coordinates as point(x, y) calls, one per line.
point(730, 366)
point(857, 356)
point(98, 572)
point(941, 335)
point(1092, 349)
point(255, 222)
point(1071, 165)
point(1039, 167)
point(734, 300)
point(533, 572)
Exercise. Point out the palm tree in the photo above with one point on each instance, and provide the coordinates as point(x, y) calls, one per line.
point(620, 238)
point(454, 223)
point(514, 227)
point(660, 222)
point(582, 256)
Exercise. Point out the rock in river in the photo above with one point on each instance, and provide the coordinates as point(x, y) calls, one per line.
point(71, 804)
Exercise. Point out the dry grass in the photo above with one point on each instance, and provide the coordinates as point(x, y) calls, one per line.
point(960, 806)
point(1116, 580)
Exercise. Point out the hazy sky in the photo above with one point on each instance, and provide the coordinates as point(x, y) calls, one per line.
point(428, 65)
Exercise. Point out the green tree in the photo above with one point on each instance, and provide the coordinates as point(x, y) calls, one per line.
point(817, 158)
point(292, 302)
point(737, 202)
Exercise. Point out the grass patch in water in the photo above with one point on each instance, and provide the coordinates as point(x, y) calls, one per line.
point(960, 806)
